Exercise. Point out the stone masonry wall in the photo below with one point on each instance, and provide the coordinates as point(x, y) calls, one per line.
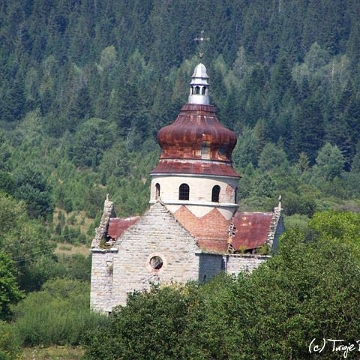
point(212, 264)
point(102, 279)
point(101, 229)
point(156, 234)
point(236, 263)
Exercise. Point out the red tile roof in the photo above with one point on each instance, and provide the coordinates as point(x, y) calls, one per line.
point(118, 225)
point(212, 229)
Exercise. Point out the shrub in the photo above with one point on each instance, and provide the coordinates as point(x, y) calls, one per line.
point(9, 343)
point(156, 324)
point(58, 314)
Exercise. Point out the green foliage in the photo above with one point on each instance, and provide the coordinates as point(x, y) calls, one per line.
point(25, 242)
point(298, 203)
point(76, 267)
point(32, 187)
point(82, 104)
point(10, 209)
point(87, 84)
point(341, 225)
point(307, 291)
point(57, 315)
point(247, 149)
point(9, 291)
point(264, 186)
point(329, 162)
point(143, 329)
point(31, 250)
point(272, 158)
point(308, 132)
point(296, 221)
point(9, 343)
point(90, 141)
point(7, 184)
point(226, 312)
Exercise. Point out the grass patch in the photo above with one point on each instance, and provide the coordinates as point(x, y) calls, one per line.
point(69, 249)
point(53, 353)
point(65, 248)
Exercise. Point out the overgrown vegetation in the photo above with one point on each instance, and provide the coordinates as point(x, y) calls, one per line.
point(57, 315)
point(53, 353)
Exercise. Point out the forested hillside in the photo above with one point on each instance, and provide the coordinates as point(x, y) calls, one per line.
point(86, 84)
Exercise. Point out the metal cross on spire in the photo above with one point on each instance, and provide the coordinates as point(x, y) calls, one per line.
point(201, 40)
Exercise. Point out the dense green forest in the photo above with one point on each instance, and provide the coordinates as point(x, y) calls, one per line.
point(86, 84)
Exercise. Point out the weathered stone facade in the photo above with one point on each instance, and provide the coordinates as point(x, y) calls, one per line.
point(127, 265)
point(102, 279)
point(157, 234)
point(237, 263)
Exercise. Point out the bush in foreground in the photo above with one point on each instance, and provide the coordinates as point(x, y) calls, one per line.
point(58, 314)
point(9, 342)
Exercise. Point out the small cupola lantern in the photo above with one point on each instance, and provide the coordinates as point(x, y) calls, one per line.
point(199, 86)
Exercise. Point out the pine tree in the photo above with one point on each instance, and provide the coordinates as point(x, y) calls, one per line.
point(308, 133)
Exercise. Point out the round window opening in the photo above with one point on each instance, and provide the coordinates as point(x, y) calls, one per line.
point(156, 262)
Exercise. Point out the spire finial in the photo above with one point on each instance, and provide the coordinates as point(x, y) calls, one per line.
point(201, 40)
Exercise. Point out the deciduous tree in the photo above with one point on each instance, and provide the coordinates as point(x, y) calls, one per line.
point(9, 290)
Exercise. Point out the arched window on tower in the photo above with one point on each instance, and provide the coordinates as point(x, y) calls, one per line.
point(157, 191)
point(215, 193)
point(197, 90)
point(184, 192)
point(236, 194)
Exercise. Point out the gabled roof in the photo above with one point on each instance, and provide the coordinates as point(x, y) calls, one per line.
point(245, 231)
point(251, 229)
point(118, 225)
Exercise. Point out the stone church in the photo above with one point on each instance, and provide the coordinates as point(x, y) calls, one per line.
point(193, 229)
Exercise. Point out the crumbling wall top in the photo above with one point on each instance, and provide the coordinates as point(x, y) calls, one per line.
point(100, 231)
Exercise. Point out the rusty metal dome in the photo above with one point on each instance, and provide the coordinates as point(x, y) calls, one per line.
point(197, 134)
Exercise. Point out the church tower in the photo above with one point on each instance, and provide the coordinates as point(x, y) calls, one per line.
point(195, 167)
point(193, 230)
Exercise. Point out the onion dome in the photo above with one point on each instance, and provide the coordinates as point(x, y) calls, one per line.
point(196, 142)
point(197, 134)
